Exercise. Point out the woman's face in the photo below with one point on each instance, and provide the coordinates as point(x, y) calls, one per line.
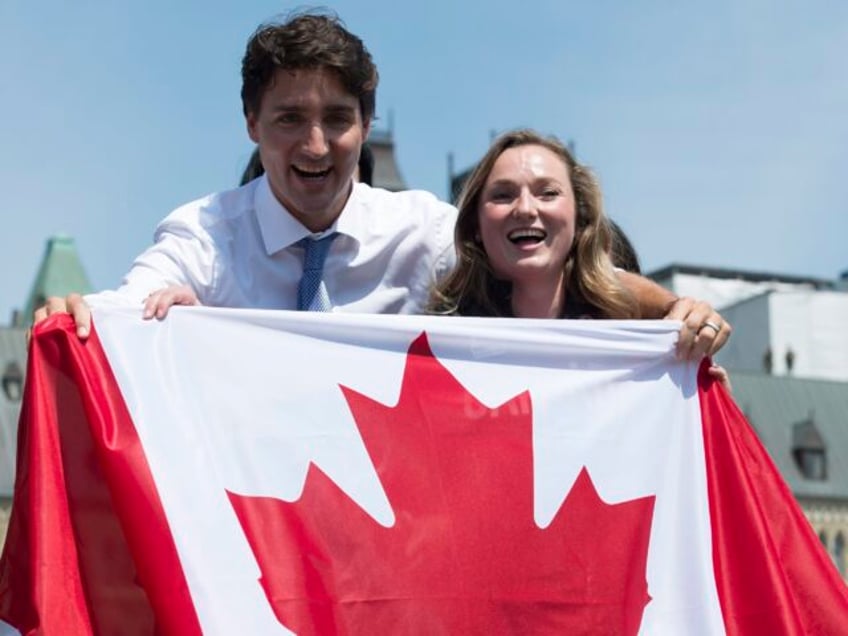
point(527, 215)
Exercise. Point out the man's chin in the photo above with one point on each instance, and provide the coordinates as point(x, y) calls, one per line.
point(316, 215)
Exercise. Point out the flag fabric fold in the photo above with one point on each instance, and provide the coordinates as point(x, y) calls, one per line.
point(87, 531)
point(762, 543)
point(229, 471)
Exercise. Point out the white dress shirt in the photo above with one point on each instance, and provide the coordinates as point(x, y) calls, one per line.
point(237, 249)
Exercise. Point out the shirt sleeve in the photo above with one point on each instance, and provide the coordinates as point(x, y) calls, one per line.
point(446, 252)
point(182, 254)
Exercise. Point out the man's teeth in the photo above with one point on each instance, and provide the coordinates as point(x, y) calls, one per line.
point(311, 172)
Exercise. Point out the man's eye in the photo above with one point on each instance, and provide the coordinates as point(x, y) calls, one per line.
point(288, 118)
point(339, 120)
point(550, 193)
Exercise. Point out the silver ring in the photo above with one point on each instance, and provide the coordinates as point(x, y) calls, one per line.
point(715, 327)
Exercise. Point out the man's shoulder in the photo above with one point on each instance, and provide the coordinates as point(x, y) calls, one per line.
point(418, 204)
point(210, 210)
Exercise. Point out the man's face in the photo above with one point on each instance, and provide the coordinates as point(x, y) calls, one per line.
point(310, 131)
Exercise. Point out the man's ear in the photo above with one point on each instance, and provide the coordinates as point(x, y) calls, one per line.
point(252, 124)
point(366, 129)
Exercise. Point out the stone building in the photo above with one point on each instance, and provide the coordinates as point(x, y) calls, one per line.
point(386, 171)
point(12, 367)
point(60, 273)
point(788, 362)
point(804, 425)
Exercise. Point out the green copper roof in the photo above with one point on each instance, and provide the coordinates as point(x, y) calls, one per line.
point(60, 273)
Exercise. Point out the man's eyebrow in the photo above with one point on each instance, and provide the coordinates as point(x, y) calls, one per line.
point(285, 107)
point(341, 107)
point(299, 107)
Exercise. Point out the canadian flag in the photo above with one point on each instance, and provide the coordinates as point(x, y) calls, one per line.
point(249, 472)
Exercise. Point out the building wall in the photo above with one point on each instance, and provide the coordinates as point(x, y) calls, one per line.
point(809, 323)
point(812, 324)
point(829, 520)
point(5, 507)
point(12, 353)
point(751, 337)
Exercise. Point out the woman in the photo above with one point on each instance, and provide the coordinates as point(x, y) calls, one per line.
point(532, 240)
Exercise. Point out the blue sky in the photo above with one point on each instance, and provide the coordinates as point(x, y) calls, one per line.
point(719, 131)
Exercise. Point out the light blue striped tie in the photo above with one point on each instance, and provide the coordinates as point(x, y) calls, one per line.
point(310, 296)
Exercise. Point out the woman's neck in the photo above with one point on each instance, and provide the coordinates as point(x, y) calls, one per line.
point(539, 300)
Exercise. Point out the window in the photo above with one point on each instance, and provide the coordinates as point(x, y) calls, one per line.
point(812, 463)
point(839, 553)
point(809, 450)
point(13, 382)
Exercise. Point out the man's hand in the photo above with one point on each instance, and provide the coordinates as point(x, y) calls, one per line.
point(704, 331)
point(159, 302)
point(72, 304)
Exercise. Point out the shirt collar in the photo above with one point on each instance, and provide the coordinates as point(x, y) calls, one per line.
point(279, 229)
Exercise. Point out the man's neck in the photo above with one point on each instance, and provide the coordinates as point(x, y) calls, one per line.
point(315, 221)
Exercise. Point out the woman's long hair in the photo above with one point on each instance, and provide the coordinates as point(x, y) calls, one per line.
point(591, 286)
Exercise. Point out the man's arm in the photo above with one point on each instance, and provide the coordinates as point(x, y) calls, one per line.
point(178, 260)
point(155, 306)
point(704, 331)
point(655, 301)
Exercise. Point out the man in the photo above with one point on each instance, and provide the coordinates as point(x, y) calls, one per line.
point(308, 95)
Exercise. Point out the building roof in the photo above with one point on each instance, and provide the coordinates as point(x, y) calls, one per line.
point(668, 271)
point(12, 363)
point(783, 410)
point(723, 287)
point(60, 273)
point(386, 172)
point(456, 182)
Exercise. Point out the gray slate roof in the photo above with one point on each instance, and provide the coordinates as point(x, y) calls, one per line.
point(386, 171)
point(774, 404)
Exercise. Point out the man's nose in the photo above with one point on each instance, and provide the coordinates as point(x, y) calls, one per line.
point(316, 141)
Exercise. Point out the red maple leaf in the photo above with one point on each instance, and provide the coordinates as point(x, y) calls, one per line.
point(464, 555)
